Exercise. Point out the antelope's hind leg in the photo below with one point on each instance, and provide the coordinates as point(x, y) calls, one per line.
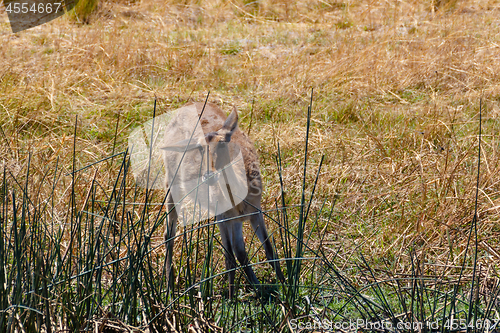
point(259, 227)
point(168, 236)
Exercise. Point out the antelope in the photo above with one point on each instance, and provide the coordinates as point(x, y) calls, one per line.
point(220, 137)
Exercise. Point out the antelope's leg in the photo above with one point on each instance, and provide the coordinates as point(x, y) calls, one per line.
point(241, 253)
point(259, 227)
point(169, 235)
point(225, 235)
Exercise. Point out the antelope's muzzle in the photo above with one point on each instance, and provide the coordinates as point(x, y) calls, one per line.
point(211, 178)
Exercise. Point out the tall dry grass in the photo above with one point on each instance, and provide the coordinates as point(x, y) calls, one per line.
point(397, 90)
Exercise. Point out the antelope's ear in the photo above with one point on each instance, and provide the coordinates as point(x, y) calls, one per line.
point(230, 125)
point(183, 146)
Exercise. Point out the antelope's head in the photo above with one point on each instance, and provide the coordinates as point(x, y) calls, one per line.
point(216, 151)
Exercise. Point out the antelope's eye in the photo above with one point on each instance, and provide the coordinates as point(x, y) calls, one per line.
point(210, 136)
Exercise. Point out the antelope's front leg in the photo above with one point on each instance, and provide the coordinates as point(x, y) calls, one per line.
point(225, 235)
point(241, 253)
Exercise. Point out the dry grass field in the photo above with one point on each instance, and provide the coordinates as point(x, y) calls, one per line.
point(396, 86)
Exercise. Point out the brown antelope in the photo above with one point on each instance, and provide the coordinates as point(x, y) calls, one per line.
point(220, 139)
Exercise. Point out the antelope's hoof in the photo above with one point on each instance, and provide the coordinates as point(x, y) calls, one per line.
point(268, 293)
